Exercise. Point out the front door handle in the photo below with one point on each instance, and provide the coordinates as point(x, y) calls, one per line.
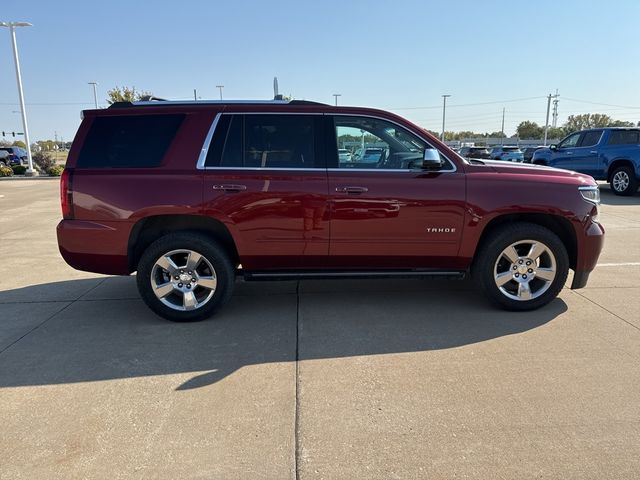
point(352, 190)
point(593, 152)
point(230, 187)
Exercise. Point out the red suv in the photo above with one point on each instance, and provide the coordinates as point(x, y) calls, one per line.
point(192, 194)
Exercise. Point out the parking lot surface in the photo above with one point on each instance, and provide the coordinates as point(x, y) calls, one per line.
point(313, 379)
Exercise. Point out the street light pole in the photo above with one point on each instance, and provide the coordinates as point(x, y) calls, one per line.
point(546, 123)
point(95, 93)
point(444, 110)
point(336, 95)
point(220, 87)
point(12, 29)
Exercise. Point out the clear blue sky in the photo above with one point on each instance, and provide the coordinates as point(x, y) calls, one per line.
point(396, 55)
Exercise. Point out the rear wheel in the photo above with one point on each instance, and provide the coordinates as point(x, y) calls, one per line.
point(522, 267)
point(623, 181)
point(185, 277)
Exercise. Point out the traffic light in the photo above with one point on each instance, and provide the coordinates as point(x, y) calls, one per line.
point(13, 134)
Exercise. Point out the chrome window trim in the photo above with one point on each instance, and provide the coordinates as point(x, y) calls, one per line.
point(453, 164)
point(268, 168)
point(202, 158)
point(207, 142)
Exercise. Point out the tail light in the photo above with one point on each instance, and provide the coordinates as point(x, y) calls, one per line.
point(66, 194)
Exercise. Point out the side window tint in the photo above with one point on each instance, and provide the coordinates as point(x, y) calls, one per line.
point(589, 139)
point(370, 143)
point(128, 141)
point(279, 141)
point(569, 142)
point(624, 137)
point(232, 153)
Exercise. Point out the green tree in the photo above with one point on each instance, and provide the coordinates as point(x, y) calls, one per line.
point(125, 94)
point(592, 120)
point(555, 133)
point(19, 143)
point(529, 130)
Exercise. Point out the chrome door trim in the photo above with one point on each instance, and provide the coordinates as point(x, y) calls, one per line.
point(202, 158)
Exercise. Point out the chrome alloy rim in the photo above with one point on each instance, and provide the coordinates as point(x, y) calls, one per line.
point(525, 270)
point(620, 181)
point(183, 280)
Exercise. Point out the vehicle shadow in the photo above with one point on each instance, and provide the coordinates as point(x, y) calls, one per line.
point(108, 333)
point(607, 197)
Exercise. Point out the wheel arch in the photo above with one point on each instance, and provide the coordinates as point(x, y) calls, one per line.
point(555, 223)
point(617, 163)
point(149, 229)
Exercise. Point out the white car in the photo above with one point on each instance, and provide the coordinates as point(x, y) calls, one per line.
point(344, 155)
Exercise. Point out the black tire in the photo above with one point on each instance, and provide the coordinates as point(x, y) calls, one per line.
point(214, 256)
point(623, 181)
point(540, 162)
point(490, 259)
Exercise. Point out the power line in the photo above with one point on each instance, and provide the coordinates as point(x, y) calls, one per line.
point(469, 104)
point(598, 103)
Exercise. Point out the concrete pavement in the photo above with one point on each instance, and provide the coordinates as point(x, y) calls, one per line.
point(317, 379)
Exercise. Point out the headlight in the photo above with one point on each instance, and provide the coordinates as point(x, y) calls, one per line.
point(590, 194)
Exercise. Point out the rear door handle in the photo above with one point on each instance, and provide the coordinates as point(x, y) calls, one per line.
point(352, 190)
point(230, 187)
point(593, 152)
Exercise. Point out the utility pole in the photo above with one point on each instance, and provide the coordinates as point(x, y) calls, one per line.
point(444, 111)
point(95, 93)
point(12, 28)
point(502, 129)
point(220, 87)
point(336, 95)
point(555, 109)
point(546, 123)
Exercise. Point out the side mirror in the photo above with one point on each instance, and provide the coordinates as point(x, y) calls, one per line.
point(432, 159)
point(553, 147)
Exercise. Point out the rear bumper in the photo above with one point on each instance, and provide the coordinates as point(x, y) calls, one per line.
point(95, 247)
point(590, 245)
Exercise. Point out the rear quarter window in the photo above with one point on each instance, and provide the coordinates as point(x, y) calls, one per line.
point(624, 137)
point(128, 141)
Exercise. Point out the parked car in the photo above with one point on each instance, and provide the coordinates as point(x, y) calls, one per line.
point(4, 158)
point(17, 155)
point(527, 153)
point(611, 154)
point(509, 154)
point(191, 195)
point(474, 152)
point(344, 155)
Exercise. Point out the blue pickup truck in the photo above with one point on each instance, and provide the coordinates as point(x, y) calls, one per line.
point(611, 154)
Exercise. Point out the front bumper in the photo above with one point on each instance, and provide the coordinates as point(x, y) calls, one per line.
point(590, 244)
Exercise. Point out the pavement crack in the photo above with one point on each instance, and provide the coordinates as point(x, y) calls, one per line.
point(296, 427)
point(607, 310)
point(71, 302)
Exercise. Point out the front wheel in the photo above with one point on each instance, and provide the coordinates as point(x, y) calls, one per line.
point(623, 181)
point(522, 266)
point(185, 277)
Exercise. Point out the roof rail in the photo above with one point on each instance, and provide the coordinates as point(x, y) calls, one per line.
point(155, 101)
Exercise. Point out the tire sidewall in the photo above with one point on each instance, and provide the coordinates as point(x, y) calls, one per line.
point(205, 246)
point(632, 186)
point(488, 255)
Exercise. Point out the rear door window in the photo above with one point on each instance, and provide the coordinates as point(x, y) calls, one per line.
point(589, 139)
point(128, 141)
point(265, 141)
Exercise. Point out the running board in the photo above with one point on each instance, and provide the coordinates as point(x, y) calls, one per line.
point(328, 275)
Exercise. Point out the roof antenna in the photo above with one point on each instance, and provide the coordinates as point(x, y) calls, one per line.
point(276, 95)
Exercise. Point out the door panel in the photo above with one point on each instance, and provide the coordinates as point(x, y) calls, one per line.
point(402, 219)
point(280, 218)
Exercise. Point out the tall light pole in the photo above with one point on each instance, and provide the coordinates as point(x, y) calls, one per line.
point(220, 87)
point(95, 93)
point(502, 128)
point(12, 28)
point(335, 96)
point(444, 110)
point(546, 123)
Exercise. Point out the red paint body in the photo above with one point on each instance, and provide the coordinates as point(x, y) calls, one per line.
point(296, 220)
